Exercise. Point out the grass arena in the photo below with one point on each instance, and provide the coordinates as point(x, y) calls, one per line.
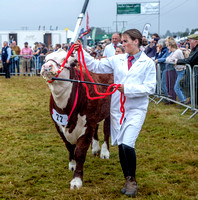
point(34, 160)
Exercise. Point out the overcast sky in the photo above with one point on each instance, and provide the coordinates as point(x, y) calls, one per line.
point(175, 15)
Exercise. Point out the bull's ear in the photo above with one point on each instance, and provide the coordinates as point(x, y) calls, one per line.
point(74, 63)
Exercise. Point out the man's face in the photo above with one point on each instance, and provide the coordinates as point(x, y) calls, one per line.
point(115, 39)
point(193, 43)
point(4, 44)
point(26, 45)
point(14, 43)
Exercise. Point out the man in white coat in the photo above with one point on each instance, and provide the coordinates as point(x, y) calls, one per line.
point(136, 73)
point(111, 48)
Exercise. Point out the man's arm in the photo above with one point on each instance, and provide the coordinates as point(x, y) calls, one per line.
point(190, 60)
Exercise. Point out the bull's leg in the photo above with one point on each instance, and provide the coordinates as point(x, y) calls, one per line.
point(80, 155)
point(104, 154)
point(95, 147)
point(70, 148)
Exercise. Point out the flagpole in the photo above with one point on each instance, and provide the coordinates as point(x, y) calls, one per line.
point(79, 21)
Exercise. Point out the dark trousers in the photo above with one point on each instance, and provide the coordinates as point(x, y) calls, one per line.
point(6, 67)
point(127, 157)
point(17, 66)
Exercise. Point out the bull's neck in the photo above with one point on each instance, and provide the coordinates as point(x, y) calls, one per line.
point(61, 91)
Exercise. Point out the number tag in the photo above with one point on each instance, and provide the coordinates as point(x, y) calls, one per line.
point(59, 118)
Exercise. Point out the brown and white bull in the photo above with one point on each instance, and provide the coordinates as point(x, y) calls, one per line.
point(82, 126)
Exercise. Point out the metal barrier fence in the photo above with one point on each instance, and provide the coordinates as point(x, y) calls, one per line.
point(195, 89)
point(184, 83)
point(167, 81)
point(22, 66)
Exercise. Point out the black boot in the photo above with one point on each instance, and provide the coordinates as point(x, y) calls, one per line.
point(130, 159)
point(128, 163)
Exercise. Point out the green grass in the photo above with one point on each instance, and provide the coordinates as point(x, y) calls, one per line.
point(34, 160)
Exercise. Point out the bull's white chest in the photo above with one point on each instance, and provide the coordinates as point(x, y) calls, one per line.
point(61, 92)
point(78, 131)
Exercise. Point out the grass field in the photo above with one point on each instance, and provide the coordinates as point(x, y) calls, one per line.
point(34, 160)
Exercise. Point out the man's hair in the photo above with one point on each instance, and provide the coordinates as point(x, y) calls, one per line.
point(58, 46)
point(134, 34)
point(156, 35)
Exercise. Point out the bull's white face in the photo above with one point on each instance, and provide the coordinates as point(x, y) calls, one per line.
point(53, 62)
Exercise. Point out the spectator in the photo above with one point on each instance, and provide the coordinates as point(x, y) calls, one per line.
point(65, 48)
point(110, 48)
point(180, 69)
point(99, 51)
point(119, 50)
point(11, 39)
point(26, 53)
point(161, 49)
point(12, 60)
point(44, 52)
point(144, 43)
point(36, 53)
point(160, 57)
point(193, 56)
point(151, 49)
point(5, 57)
point(17, 58)
point(57, 46)
point(50, 49)
point(36, 49)
point(192, 59)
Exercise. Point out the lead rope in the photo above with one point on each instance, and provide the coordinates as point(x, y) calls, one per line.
point(122, 97)
point(102, 95)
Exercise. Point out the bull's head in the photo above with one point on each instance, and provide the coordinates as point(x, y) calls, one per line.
point(52, 63)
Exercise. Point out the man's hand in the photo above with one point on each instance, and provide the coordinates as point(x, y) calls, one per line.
point(7, 61)
point(120, 88)
point(77, 45)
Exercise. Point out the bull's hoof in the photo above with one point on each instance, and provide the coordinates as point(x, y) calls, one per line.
point(104, 154)
point(95, 147)
point(72, 165)
point(76, 183)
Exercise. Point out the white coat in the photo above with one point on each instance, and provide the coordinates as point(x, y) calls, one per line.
point(110, 50)
point(139, 82)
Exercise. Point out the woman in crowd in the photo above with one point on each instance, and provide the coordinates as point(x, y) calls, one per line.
point(137, 75)
point(119, 50)
point(99, 51)
point(36, 53)
point(160, 57)
point(180, 69)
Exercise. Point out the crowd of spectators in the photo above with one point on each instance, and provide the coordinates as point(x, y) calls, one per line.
point(31, 59)
point(162, 51)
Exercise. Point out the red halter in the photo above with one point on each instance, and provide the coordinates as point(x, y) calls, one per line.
point(101, 95)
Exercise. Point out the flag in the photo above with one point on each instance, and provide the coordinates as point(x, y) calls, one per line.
point(82, 32)
point(93, 34)
point(146, 30)
point(88, 22)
